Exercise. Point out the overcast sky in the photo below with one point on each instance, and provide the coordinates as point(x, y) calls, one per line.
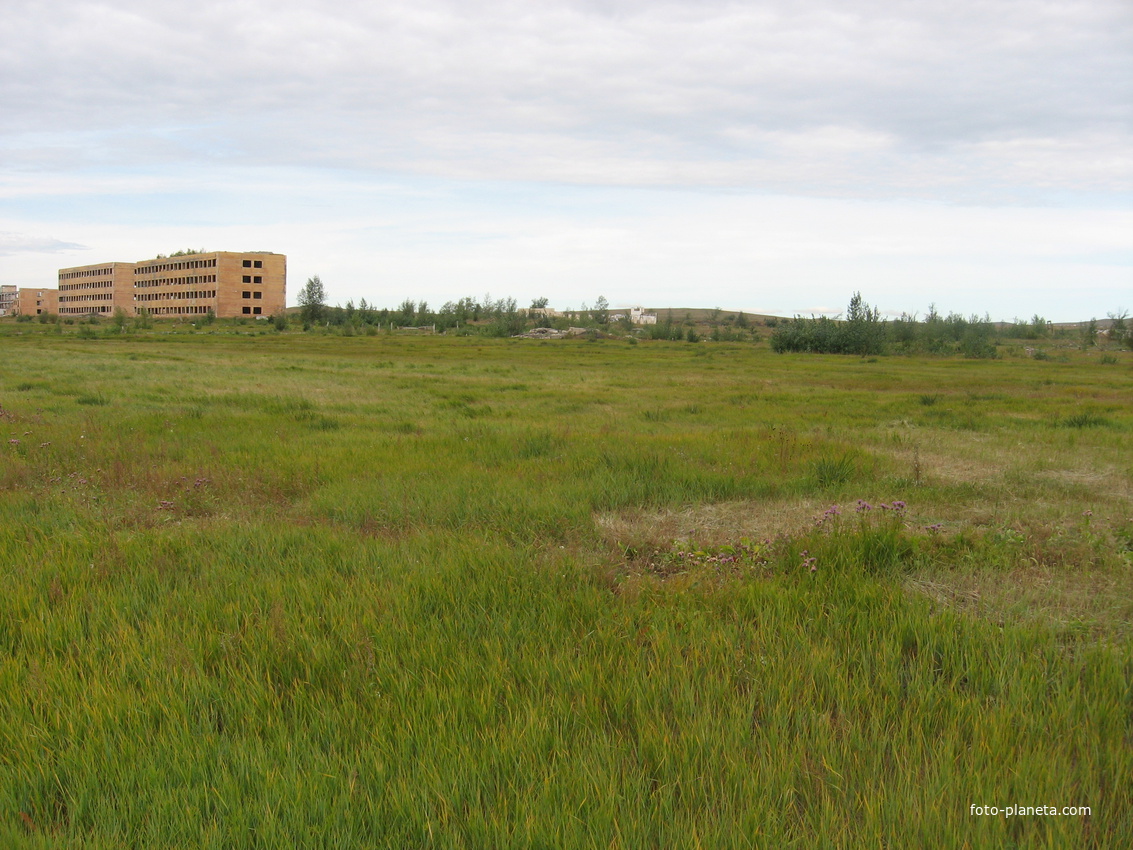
point(765, 156)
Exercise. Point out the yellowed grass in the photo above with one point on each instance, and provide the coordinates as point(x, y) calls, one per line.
point(711, 524)
point(1100, 603)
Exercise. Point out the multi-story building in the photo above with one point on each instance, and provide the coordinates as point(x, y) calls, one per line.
point(8, 294)
point(228, 284)
point(34, 302)
point(99, 289)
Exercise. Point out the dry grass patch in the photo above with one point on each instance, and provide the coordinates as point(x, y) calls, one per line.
point(1097, 604)
point(709, 525)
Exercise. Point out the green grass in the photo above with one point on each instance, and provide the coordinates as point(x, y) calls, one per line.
point(393, 591)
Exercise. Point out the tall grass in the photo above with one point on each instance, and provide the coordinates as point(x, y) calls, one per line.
point(228, 624)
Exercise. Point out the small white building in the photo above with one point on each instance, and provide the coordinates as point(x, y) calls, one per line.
point(637, 315)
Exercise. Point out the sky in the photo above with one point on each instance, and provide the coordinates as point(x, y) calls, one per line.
point(772, 157)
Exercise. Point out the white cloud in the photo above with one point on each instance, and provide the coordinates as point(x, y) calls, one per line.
point(736, 153)
point(21, 243)
point(694, 91)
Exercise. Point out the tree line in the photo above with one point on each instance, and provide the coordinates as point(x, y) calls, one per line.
point(860, 331)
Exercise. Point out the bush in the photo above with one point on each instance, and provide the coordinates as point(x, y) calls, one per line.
point(829, 471)
point(1085, 419)
point(861, 333)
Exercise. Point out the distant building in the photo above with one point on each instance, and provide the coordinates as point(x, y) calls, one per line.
point(8, 295)
point(35, 302)
point(96, 290)
point(228, 284)
point(637, 315)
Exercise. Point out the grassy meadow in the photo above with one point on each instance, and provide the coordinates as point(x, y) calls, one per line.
point(297, 590)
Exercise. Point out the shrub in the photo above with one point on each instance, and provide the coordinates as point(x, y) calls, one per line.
point(1085, 419)
point(829, 471)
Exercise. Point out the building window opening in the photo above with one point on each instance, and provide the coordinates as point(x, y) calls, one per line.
point(259, 264)
point(247, 278)
point(247, 311)
point(247, 264)
point(257, 295)
point(257, 279)
point(246, 294)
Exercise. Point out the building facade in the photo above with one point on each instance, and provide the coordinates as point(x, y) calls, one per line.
point(226, 283)
point(8, 295)
point(36, 302)
point(230, 284)
point(96, 290)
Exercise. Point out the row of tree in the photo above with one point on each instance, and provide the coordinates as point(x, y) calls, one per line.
point(863, 332)
point(860, 331)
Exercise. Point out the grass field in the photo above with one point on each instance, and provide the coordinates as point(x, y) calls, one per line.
point(288, 590)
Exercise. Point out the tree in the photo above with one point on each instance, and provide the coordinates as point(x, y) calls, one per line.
point(864, 333)
point(1117, 326)
point(313, 298)
point(406, 312)
point(1090, 334)
point(539, 304)
point(601, 312)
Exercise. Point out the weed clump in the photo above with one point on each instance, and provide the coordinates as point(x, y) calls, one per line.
point(831, 471)
point(1085, 419)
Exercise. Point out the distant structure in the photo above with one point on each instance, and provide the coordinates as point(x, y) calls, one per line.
point(228, 284)
point(34, 302)
point(637, 315)
point(96, 290)
point(8, 295)
point(543, 313)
